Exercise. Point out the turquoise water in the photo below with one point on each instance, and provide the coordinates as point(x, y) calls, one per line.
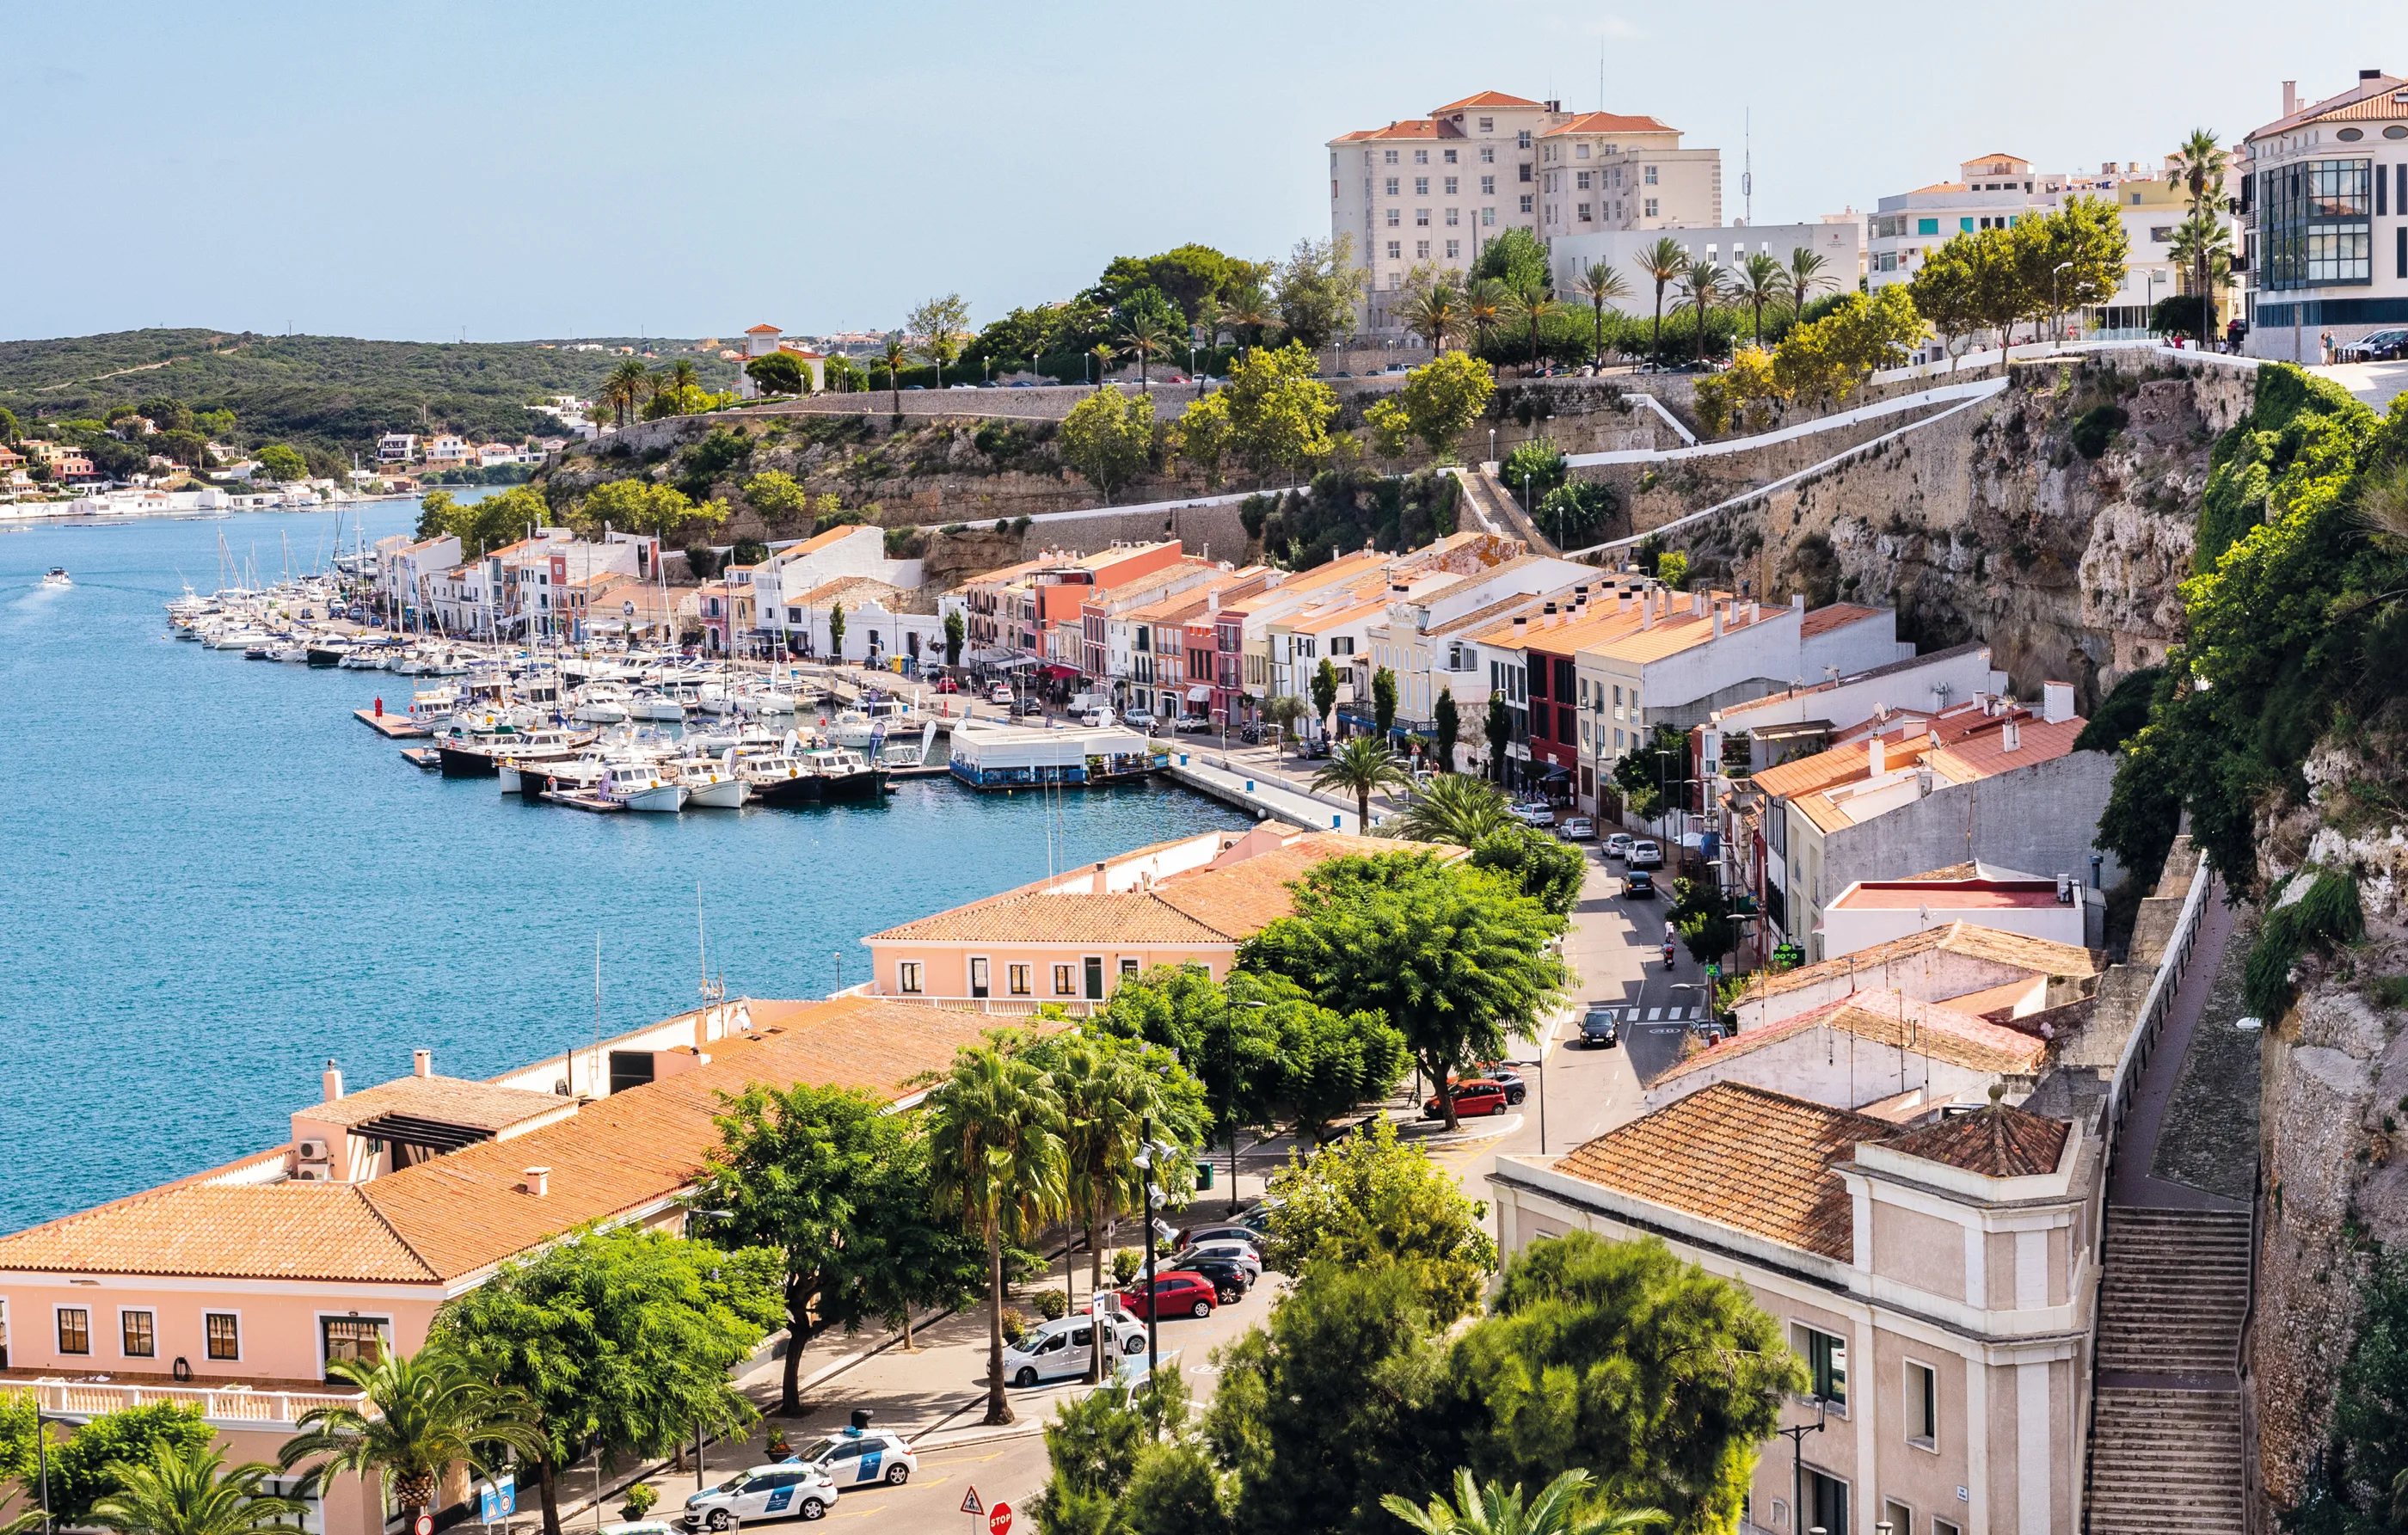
point(212, 878)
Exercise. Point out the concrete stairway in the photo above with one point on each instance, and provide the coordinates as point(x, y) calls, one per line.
point(2166, 1442)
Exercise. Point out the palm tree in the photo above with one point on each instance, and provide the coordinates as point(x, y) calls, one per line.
point(1434, 312)
point(1358, 767)
point(995, 1159)
point(2199, 163)
point(2202, 241)
point(1249, 312)
point(681, 375)
point(1806, 277)
point(1532, 303)
point(892, 354)
point(625, 387)
point(1107, 1098)
point(186, 1492)
point(1142, 337)
point(1483, 308)
point(1662, 261)
point(424, 1415)
point(1700, 285)
point(1761, 279)
point(1496, 1510)
point(1600, 284)
point(1455, 808)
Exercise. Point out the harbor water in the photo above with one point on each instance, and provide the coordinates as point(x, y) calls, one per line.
point(213, 881)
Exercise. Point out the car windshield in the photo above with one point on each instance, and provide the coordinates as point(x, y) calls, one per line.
point(817, 1448)
point(734, 1482)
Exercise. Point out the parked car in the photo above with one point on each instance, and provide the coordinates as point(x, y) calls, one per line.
point(1645, 853)
point(999, 693)
point(859, 1456)
point(1514, 1091)
point(1259, 1218)
point(1640, 884)
point(1060, 1349)
point(764, 1492)
point(945, 684)
point(1532, 814)
point(1618, 845)
point(1031, 709)
point(1229, 1279)
point(1226, 1250)
point(1174, 1295)
point(1472, 1100)
point(1230, 1231)
point(1194, 724)
point(1599, 1028)
point(1577, 828)
point(2378, 346)
point(1096, 719)
point(1139, 719)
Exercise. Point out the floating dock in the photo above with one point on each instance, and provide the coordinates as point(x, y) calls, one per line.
point(391, 727)
point(1012, 756)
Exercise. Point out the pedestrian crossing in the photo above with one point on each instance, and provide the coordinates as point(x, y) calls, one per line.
point(1674, 1016)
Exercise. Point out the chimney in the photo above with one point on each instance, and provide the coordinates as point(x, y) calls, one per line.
point(333, 1081)
point(1879, 763)
point(2010, 736)
point(538, 1182)
point(2365, 75)
point(2290, 97)
point(2057, 702)
point(1798, 603)
point(421, 1063)
point(1720, 613)
point(1103, 880)
point(1212, 603)
point(1646, 612)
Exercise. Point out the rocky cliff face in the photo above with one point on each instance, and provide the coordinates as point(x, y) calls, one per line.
point(2055, 522)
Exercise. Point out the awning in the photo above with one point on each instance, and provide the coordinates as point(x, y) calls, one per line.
point(1199, 696)
point(427, 1134)
point(1062, 673)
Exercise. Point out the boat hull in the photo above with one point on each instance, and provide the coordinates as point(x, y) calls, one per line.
point(727, 795)
point(468, 761)
point(661, 799)
point(319, 657)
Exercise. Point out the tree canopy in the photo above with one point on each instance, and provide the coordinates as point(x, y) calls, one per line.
point(1369, 1201)
point(1108, 438)
point(1440, 401)
point(1279, 412)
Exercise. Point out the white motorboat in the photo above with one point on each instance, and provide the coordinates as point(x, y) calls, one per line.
point(365, 659)
point(852, 728)
point(57, 577)
point(770, 700)
point(645, 704)
point(234, 638)
point(288, 649)
point(601, 703)
point(639, 786)
point(708, 785)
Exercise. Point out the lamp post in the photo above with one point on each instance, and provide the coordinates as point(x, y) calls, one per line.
point(693, 1215)
point(2056, 308)
point(1796, 1437)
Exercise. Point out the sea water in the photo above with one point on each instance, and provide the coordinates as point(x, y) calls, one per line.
point(213, 880)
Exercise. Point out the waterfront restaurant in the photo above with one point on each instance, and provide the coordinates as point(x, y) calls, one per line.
point(235, 1288)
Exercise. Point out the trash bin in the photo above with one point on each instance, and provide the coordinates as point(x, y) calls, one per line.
point(1203, 1173)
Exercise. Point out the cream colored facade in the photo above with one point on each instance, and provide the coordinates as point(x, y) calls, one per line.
point(1601, 172)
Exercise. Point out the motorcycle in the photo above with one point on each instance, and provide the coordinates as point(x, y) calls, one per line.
point(1668, 953)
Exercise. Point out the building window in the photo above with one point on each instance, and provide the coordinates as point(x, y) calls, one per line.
point(1128, 969)
point(1583, 214)
point(1525, 170)
point(1062, 983)
point(1580, 180)
point(1487, 125)
point(1421, 250)
point(1525, 202)
point(1019, 977)
point(1455, 249)
point(1388, 156)
point(1452, 182)
point(1922, 1406)
point(1450, 157)
point(1488, 157)
point(907, 978)
point(1421, 157)
point(222, 1332)
point(75, 1330)
point(1826, 1363)
point(1421, 218)
point(1942, 1527)
point(1522, 140)
point(1827, 1502)
point(1926, 226)
point(1395, 217)
point(355, 1339)
point(1396, 249)
point(1648, 175)
point(978, 977)
point(1651, 209)
point(1452, 218)
point(1391, 187)
point(139, 1333)
point(1899, 1518)
point(1488, 186)
point(1488, 217)
point(1421, 186)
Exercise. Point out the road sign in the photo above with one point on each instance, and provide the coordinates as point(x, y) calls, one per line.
point(425, 1524)
point(971, 1504)
point(998, 1520)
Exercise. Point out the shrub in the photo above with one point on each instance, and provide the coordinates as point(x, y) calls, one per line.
point(2389, 991)
point(2097, 427)
point(1052, 1305)
point(1015, 1325)
point(1539, 462)
point(639, 1500)
point(2328, 913)
point(1125, 1264)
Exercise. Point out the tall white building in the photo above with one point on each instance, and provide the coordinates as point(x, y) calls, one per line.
point(1602, 171)
point(2324, 207)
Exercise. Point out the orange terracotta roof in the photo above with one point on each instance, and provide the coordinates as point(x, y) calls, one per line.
point(1885, 1018)
point(1486, 98)
point(1824, 620)
point(449, 1100)
point(1119, 916)
point(2366, 101)
point(1744, 1156)
point(1998, 1142)
point(1609, 123)
point(2039, 955)
point(837, 535)
point(762, 330)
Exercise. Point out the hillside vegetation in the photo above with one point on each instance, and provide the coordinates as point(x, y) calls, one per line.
point(333, 394)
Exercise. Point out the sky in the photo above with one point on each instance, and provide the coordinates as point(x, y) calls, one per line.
point(525, 169)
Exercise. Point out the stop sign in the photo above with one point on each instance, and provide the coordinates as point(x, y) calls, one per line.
point(998, 1519)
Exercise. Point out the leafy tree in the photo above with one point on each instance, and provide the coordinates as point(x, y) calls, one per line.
point(1662, 261)
point(1947, 292)
point(1225, 1047)
point(188, 1490)
point(1654, 769)
point(2200, 164)
point(1449, 726)
point(1433, 309)
point(795, 1170)
point(997, 1157)
point(1279, 412)
point(1456, 957)
point(1483, 307)
point(1496, 1510)
point(939, 327)
point(2072, 257)
point(1333, 1402)
point(1202, 436)
point(1362, 766)
point(1701, 286)
point(1107, 437)
point(1147, 324)
point(1600, 285)
point(1440, 399)
point(8, 428)
point(1619, 1357)
point(1514, 258)
point(1547, 870)
point(1500, 733)
point(1809, 274)
point(283, 463)
point(1370, 1201)
point(1329, 1063)
point(1580, 510)
point(1758, 281)
point(1283, 711)
point(1317, 291)
point(89, 1468)
point(1830, 357)
point(779, 373)
point(622, 1338)
point(835, 631)
point(1701, 915)
point(1534, 467)
point(1383, 700)
point(1532, 304)
point(1454, 809)
point(426, 1413)
point(637, 506)
point(955, 635)
point(898, 1257)
point(1325, 691)
point(624, 388)
point(1190, 277)
point(2364, 1475)
point(778, 497)
point(1125, 1460)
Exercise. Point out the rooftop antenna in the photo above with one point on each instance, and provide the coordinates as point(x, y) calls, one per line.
point(710, 993)
point(1600, 71)
point(1747, 166)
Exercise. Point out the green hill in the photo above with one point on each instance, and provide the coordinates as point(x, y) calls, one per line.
point(331, 394)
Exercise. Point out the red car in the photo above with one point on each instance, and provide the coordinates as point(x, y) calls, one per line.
point(1472, 1100)
point(945, 684)
point(1176, 1294)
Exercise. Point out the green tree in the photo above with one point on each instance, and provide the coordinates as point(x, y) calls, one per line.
point(1759, 281)
point(1532, 304)
point(1600, 285)
point(88, 1468)
point(1483, 308)
point(1513, 257)
point(1448, 726)
point(1433, 310)
point(1534, 467)
point(637, 506)
point(779, 373)
point(1498, 732)
point(623, 1338)
point(1620, 1356)
point(2072, 257)
point(1454, 809)
point(793, 1168)
point(1317, 291)
point(1125, 1460)
point(939, 327)
point(954, 636)
point(1145, 324)
point(1220, 1034)
point(1947, 292)
point(1662, 261)
point(2199, 163)
point(891, 353)
point(1362, 766)
point(424, 1413)
point(1542, 867)
point(1456, 957)
point(1107, 437)
point(188, 1490)
point(1383, 700)
point(1370, 1201)
point(1325, 691)
point(624, 390)
point(996, 1154)
point(1701, 287)
point(2202, 242)
point(836, 632)
point(900, 1257)
point(1283, 711)
point(1831, 357)
point(1188, 277)
point(778, 497)
point(1202, 436)
point(1498, 1509)
point(1327, 1062)
point(1279, 412)
point(1440, 400)
point(1809, 274)
point(1701, 915)
point(283, 463)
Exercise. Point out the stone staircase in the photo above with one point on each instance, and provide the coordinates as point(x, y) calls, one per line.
point(2166, 1440)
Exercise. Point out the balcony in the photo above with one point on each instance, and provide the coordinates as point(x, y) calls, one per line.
point(271, 1405)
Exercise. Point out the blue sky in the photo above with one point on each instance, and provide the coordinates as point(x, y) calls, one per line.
point(521, 170)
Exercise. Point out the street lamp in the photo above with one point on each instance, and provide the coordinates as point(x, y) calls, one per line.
point(693, 1215)
point(1796, 1437)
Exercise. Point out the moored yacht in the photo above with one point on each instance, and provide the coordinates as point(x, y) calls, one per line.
point(709, 784)
point(639, 786)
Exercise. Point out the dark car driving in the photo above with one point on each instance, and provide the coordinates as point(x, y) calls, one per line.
point(1598, 1027)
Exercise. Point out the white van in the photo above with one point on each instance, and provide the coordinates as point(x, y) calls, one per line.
point(1059, 1350)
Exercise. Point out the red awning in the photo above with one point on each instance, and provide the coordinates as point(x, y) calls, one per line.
point(1063, 673)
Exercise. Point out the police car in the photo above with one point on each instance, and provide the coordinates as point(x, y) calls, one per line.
point(786, 1491)
point(859, 1456)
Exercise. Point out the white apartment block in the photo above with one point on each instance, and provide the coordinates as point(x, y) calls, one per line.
point(396, 447)
point(1602, 171)
point(2324, 208)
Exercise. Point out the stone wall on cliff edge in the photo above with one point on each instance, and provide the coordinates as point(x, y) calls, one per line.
point(1991, 524)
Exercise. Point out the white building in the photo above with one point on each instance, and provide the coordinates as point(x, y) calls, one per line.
point(1875, 911)
point(396, 447)
point(2323, 204)
point(1603, 172)
point(406, 572)
point(1839, 239)
point(761, 341)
